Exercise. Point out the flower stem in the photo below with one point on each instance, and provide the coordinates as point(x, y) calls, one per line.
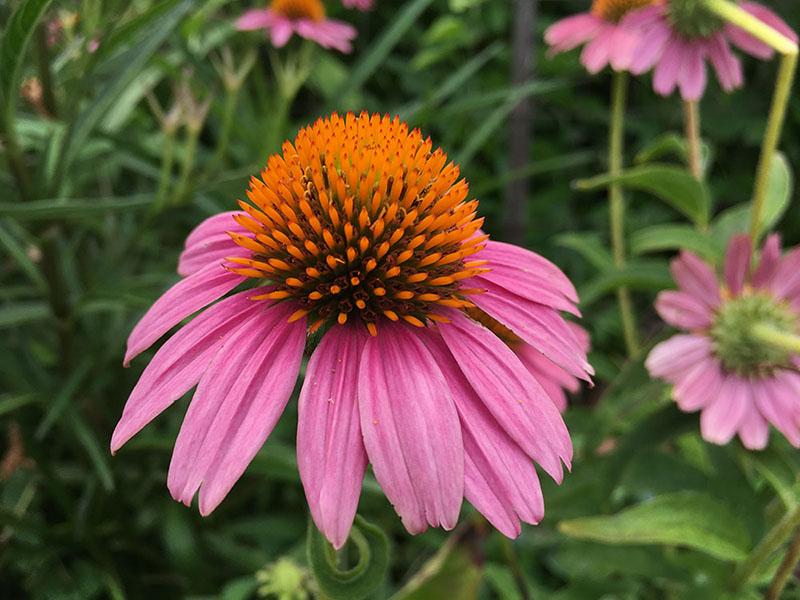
point(770, 543)
point(785, 569)
point(619, 89)
point(776, 338)
point(229, 111)
point(192, 136)
point(167, 161)
point(691, 121)
point(735, 15)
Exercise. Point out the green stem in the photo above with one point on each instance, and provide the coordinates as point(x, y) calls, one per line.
point(691, 121)
point(777, 116)
point(776, 338)
point(192, 136)
point(16, 164)
point(734, 14)
point(771, 542)
point(45, 76)
point(785, 570)
point(617, 205)
point(228, 112)
point(167, 161)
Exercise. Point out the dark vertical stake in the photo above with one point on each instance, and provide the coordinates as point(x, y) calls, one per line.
point(515, 208)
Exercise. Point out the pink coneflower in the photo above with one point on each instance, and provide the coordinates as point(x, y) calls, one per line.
point(359, 4)
point(679, 36)
point(362, 233)
point(306, 18)
point(720, 366)
point(607, 42)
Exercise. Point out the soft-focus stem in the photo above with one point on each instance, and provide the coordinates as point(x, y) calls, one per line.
point(192, 136)
point(785, 570)
point(16, 164)
point(617, 205)
point(167, 162)
point(771, 542)
point(776, 338)
point(777, 116)
point(45, 75)
point(691, 121)
point(229, 111)
point(735, 15)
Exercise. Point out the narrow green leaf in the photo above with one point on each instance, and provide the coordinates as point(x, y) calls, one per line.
point(672, 185)
point(660, 238)
point(672, 144)
point(132, 61)
point(98, 455)
point(12, 315)
point(16, 37)
point(359, 581)
point(11, 403)
point(71, 209)
point(590, 247)
point(374, 56)
point(689, 519)
point(59, 405)
point(15, 248)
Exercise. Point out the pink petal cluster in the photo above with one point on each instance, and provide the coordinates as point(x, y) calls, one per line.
point(328, 33)
point(607, 42)
point(680, 62)
point(730, 403)
point(441, 413)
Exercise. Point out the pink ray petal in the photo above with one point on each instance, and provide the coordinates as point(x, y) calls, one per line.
point(696, 278)
point(330, 449)
point(692, 76)
point(779, 402)
point(212, 250)
point(697, 387)
point(667, 71)
point(411, 429)
point(180, 362)
point(510, 392)
point(726, 64)
point(597, 53)
point(652, 44)
point(573, 31)
point(769, 261)
point(681, 310)
point(260, 18)
point(786, 281)
point(672, 358)
point(746, 42)
point(753, 429)
point(737, 263)
point(720, 420)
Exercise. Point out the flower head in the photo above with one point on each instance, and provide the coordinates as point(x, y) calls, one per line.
point(677, 37)
point(740, 382)
point(607, 42)
point(362, 234)
point(306, 18)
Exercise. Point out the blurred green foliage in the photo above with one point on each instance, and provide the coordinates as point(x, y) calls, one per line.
point(117, 179)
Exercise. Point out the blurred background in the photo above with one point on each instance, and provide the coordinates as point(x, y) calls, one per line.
point(137, 119)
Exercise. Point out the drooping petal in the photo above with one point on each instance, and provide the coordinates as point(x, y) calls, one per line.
point(681, 310)
point(330, 449)
point(754, 429)
point(213, 227)
point(411, 429)
point(668, 68)
point(509, 392)
point(726, 64)
point(778, 401)
point(280, 31)
point(699, 385)
point(652, 44)
point(623, 47)
point(692, 75)
point(553, 379)
point(672, 358)
point(237, 403)
point(328, 34)
point(181, 300)
point(180, 362)
point(786, 281)
point(695, 277)
point(212, 250)
point(258, 18)
point(571, 32)
point(769, 261)
point(539, 326)
point(720, 420)
point(737, 263)
point(596, 54)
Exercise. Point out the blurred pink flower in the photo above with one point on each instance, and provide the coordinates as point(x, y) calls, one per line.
point(403, 377)
point(359, 4)
point(740, 384)
point(607, 42)
point(678, 48)
point(306, 18)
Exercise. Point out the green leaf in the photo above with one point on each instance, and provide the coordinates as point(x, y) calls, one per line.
point(364, 577)
point(71, 209)
point(645, 276)
point(132, 61)
point(671, 144)
point(12, 315)
point(590, 247)
point(673, 185)
point(689, 519)
point(17, 251)
point(17, 36)
point(660, 238)
point(779, 194)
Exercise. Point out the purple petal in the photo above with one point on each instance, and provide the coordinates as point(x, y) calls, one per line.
point(596, 54)
point(682, 310)
point(769, 261)
point(692, 75)
point(696, 278)
point(727, 65)
point(411, 429)
point(697, 387)
point(259, 18)
point(330, 449)
point(573, 31)
point(671, 359)
point(720, 419)
point(737, 263)
point(667, 71)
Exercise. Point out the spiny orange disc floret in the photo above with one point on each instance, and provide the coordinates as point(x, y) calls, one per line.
point(313, 10)
point(614, 10)
point(362, 219)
